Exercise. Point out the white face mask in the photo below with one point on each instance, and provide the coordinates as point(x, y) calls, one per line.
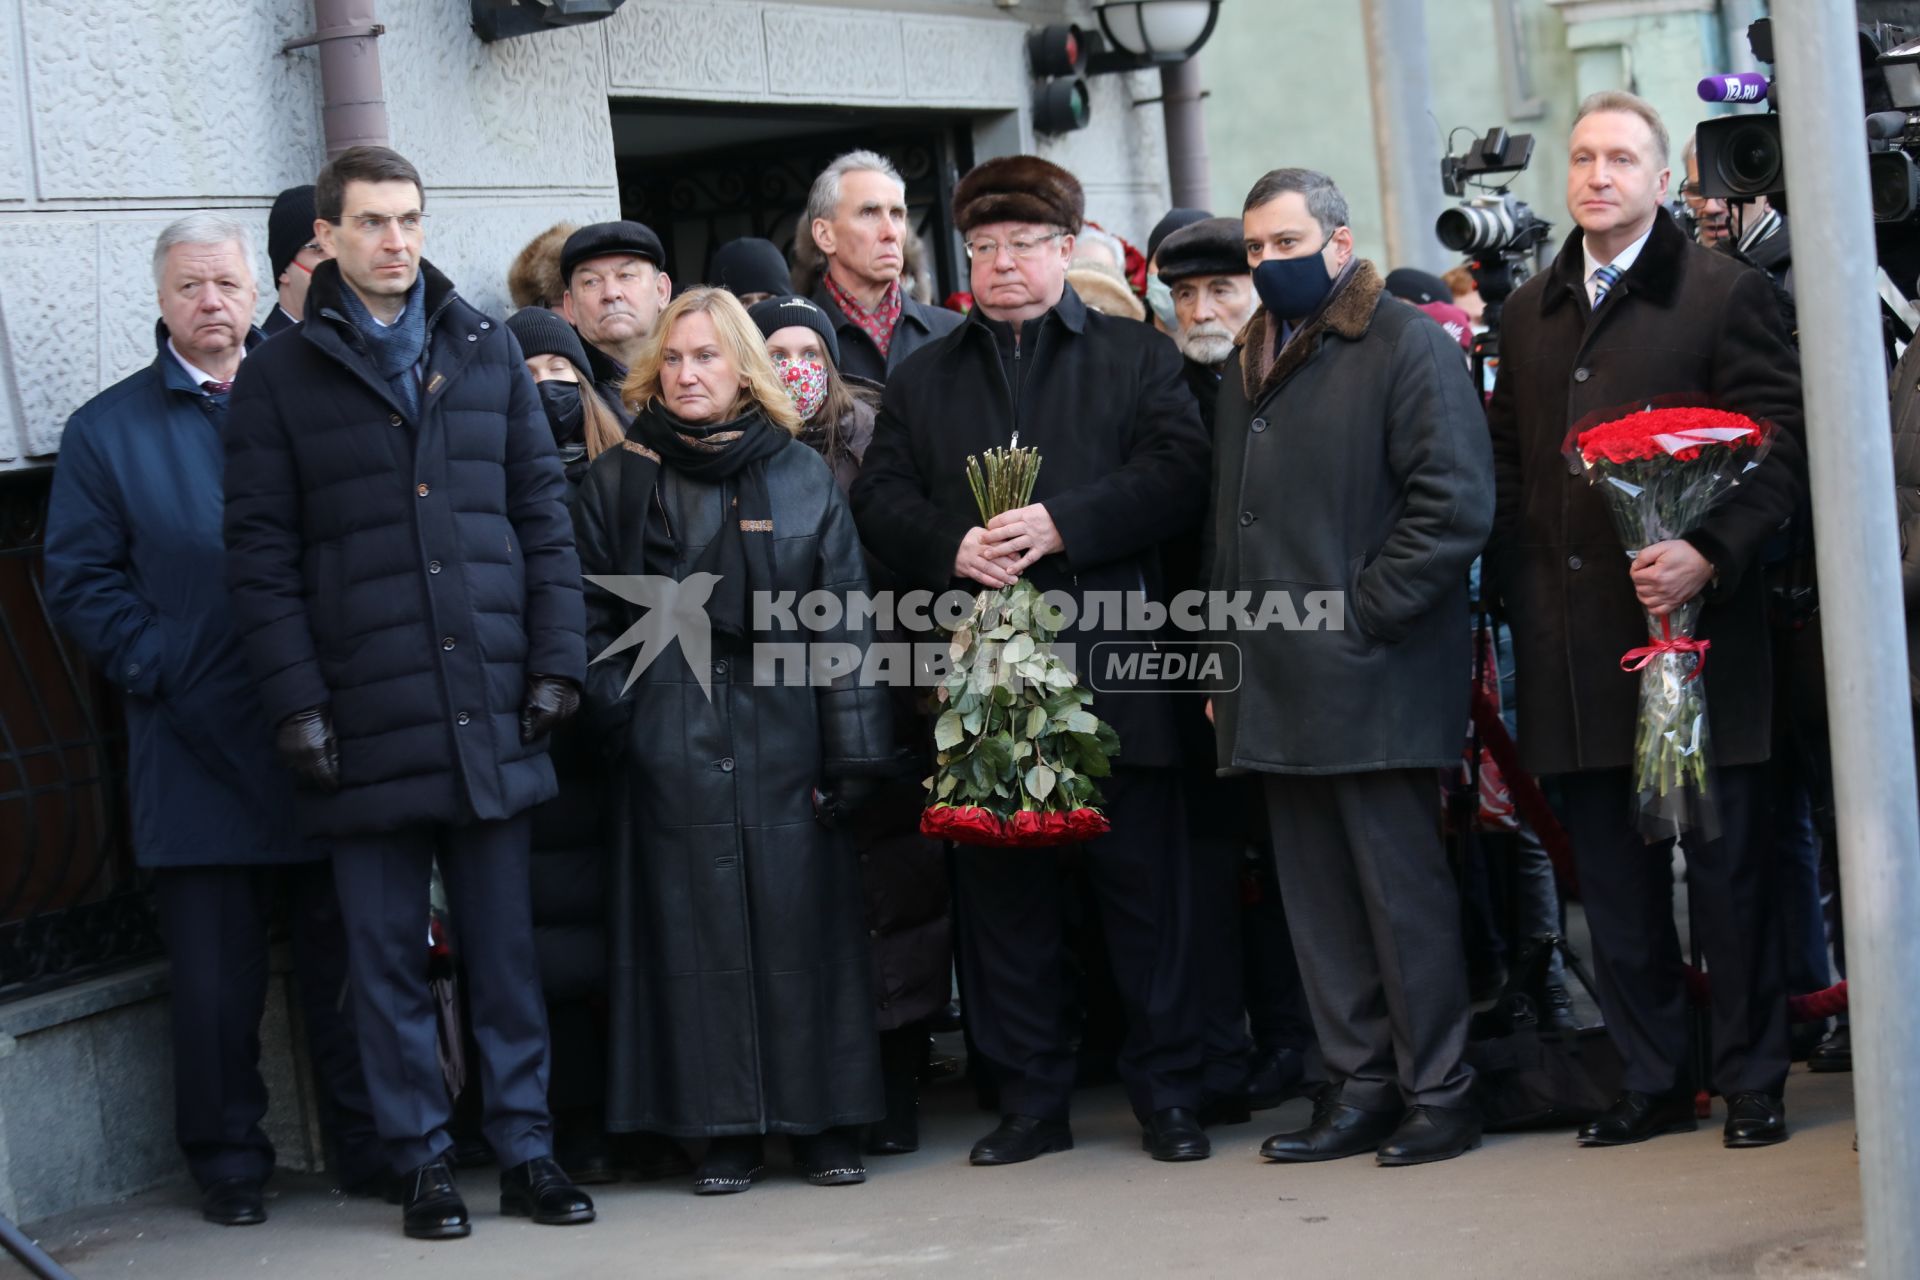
point(1160, 300)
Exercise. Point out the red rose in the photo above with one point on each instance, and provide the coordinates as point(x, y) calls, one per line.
point(963, 824)
point(1085, 824)
point(1028, 827)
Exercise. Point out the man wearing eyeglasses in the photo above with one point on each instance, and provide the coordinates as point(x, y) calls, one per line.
point(294, 250)
point(1125, 465)
point(402, 574)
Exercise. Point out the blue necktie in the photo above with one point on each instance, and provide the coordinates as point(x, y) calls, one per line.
point(1604, 279)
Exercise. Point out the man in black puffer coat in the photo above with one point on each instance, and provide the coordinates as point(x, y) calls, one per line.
point(404, 582)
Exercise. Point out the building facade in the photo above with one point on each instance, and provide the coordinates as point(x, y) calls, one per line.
point(707, 118)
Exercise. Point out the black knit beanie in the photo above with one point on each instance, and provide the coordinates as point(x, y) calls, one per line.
point(774, 314)
point(289, 228)
point(542, 333)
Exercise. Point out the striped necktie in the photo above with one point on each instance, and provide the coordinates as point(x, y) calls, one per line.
point(213, 388)
point(1604, 279)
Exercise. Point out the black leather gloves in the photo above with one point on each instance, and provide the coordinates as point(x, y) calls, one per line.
point(307, 746)
point(836, 807)
point(550, 700)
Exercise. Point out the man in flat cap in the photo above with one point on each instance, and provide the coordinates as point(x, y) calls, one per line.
point(1205, 267)
point(617, 285)
point(1125, 468)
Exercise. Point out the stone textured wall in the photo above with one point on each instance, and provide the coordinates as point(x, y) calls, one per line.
point(116, 119)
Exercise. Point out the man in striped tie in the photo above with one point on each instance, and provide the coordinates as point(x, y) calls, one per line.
point(1631, 313)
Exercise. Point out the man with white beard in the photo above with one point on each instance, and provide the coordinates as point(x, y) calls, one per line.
point(1206, 267)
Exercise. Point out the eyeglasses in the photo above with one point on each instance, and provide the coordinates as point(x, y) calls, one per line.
point(1022, 250)
point(372, 225)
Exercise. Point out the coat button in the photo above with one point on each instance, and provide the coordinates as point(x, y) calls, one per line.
point(393, 419)
point(433, 566)
point(719, 668)
point(1246, 518)
point(133, 669)
point(1573, 468)
point(486, 324)
point(422, 490)
point(462, 718)
point(473, 337)
point(447, 643)
point(1574, 562)
point(726, 765)
point(1582, 374)
point(1258, 424)
point(873, 933)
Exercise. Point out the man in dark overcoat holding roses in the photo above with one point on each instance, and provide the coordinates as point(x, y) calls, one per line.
point(1633, 312)
point(1123, 469)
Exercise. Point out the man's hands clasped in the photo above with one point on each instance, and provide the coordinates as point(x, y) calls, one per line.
point(1007, 546)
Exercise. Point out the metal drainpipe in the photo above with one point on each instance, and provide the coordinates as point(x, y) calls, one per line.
point(1850, 452)
point(1187, 165)
point(353, 109)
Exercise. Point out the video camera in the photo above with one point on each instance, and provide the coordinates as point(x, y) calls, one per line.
point(1498, 231)
point(1742, 157)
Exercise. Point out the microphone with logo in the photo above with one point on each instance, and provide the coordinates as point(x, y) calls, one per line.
point(1740, 86)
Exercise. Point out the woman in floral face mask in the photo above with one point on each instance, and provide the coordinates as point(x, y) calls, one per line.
point(836, 410)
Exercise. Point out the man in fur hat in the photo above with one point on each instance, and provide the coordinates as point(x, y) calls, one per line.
point(1125, 469)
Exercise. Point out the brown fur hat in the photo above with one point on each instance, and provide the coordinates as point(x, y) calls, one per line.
point(1018, 189)
point(534, 278)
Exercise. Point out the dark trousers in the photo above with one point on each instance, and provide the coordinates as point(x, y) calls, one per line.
point(216, 921)
point(1627, 886)
point(383, 881)
point(1013, 953)
point(1276, 1002)
point(1376, 927)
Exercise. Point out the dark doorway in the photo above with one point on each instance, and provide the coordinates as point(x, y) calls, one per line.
point(701, 175)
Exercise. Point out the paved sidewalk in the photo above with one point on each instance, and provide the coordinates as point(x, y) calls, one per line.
point(1524, 1206)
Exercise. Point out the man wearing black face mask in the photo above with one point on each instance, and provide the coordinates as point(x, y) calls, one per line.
point(1353, 466)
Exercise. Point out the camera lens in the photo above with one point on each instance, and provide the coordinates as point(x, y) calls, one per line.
point(1750, 162)
point(1476, 228)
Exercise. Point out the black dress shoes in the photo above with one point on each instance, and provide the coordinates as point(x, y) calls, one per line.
point(1428, 1134)
point(1175, 1134)
point(1635, 1117)
point(1755, 1120)
point(1337, 1131)
point(540, 1189)
point(1835, 1053)
point(730, 1165)
point(235, 1202)
point(433, 1207)
point(1021, 1138)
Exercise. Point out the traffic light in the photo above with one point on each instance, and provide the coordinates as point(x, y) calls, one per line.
point(1058, 58)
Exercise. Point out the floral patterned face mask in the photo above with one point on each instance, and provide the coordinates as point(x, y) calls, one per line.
point(805, 381)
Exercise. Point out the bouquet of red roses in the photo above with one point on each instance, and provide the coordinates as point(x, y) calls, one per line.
point(1662, 470)
point(1018, 750)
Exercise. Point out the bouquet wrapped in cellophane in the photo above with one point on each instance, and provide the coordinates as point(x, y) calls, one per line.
point(1662, 471)
point(1018, 751)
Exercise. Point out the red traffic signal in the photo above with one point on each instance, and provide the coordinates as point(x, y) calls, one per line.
point(1058, 50)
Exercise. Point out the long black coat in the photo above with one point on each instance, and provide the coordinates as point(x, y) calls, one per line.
point(407, 570)
point(1682, 321)
point(1124, 468)
point(1356, 464)
point(740, 996)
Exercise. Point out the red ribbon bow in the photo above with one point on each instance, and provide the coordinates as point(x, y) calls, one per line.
point(1667, 642)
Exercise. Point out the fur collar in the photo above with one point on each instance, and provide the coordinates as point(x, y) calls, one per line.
point(1348, 314)
point(1654, 275)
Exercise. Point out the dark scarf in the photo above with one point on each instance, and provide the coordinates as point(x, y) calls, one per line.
point(395, 347)
point(733, 457)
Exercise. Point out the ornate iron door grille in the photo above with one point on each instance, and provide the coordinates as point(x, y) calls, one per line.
point(72, 904)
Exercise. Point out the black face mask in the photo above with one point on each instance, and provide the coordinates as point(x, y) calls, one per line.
point(1292, 287)
point(564, 410)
